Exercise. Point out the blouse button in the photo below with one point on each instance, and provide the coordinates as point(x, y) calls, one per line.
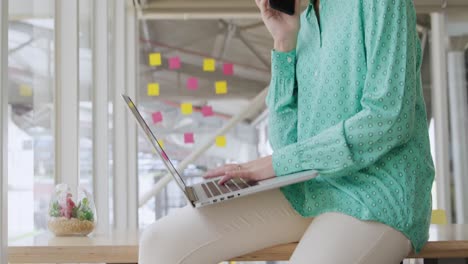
point(289, 59)
point(316, 73)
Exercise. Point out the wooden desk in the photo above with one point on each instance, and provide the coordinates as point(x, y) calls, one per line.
point(46, 248)
point(446, 241)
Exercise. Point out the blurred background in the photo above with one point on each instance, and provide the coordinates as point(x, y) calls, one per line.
point(156, 50)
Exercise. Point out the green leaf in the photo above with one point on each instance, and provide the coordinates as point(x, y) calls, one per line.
point(55, 209)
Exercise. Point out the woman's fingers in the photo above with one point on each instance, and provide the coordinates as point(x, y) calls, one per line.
point(233, 174)
point(219, 171)
point(228, 172)
point(224, 179)
point(214, 173)
point(258, 3)
point(297, 7)
point(261, 4)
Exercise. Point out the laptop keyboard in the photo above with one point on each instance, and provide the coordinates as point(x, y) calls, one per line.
point(212, 188)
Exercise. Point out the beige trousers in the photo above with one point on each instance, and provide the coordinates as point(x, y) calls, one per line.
point(216, 233)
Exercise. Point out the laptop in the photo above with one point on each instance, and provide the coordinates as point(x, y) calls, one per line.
point(209, 191)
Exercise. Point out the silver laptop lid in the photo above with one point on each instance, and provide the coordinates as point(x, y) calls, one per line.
point(152, 138)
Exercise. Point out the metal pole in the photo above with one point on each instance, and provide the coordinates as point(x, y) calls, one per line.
point(132, 135)
point(66, 94)
point(440, 110)
point(459, 132)
point(254, 105)
point(120, 124)
point(100, 115)
point(3, 131)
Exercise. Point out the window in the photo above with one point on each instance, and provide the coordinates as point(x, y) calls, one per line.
point(30, 123)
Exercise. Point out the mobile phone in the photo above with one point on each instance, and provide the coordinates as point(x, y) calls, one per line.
point(285, 6)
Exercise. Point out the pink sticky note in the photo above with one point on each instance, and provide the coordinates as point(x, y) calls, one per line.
point(188, 138)
point(192, 83)
point(207, 110)
point(157, 117)
point(174, 63)
point(165, 156)
point(228, 68)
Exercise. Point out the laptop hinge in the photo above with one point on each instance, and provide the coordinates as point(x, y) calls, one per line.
point(191, 194)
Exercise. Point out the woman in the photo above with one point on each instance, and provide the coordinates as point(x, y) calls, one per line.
point(345, 99)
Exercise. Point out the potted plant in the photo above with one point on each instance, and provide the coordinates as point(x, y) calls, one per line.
point(67, 218)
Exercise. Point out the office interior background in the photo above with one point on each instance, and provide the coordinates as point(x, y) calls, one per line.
point(64, 65)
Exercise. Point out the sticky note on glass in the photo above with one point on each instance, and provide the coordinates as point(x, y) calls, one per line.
point(161, 143)
point(174, 63)
point(165, 156)
point(192, 83)
point(186, 108)
point(155, 59)
point(188, 138)
point(157, 117)
point(25, 90)
point(438, 217)
point(207, 110)
point(209, 65)
point(221, 87)
point(228, 69)
point(153, 89)
point(221, 141)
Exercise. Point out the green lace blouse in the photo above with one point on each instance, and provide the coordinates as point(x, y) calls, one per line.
point(348, 103)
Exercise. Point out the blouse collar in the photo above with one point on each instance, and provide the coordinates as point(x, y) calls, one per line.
point(311, 5)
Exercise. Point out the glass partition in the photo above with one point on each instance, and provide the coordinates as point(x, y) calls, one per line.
point(30, 118)
point(191, 82)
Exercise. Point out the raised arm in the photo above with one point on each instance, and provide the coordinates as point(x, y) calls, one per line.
point(281, 100)
point(388, 100)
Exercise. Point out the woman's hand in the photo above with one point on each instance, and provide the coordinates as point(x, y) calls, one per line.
point(255, 170)
point(283, 27)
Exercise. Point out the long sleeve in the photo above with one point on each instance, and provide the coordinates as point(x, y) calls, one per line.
point(385, 119)
point(281, 100)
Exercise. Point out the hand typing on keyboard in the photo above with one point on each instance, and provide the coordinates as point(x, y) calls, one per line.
point(255, 170)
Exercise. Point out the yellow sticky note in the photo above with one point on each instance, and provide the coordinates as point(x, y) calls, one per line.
point(153, 89)
point(221, 87)
point(25, 90)
point(221, 141)
point(155, 59)
point(438, 217)
point(186, 108)
point(209, 65)
point(161, 143)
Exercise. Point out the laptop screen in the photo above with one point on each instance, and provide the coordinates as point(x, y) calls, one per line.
point(152, 138)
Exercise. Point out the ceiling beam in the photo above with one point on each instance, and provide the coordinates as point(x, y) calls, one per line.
point(212, 9)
